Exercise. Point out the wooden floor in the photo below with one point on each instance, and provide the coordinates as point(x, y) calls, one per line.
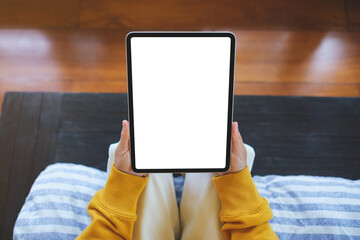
point(319, 15)
point(292, 63)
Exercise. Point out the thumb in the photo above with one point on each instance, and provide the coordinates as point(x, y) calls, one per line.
point(124, 139)
point(236, 139)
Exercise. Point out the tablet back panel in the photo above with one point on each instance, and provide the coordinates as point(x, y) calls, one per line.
point(180, 101)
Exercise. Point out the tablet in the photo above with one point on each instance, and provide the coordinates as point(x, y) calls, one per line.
point(180, 100)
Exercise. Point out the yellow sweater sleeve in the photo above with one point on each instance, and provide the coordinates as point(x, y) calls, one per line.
point(113, 209)
point(244, 213)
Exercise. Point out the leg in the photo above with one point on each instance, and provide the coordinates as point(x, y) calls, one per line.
point(157, 212)
point(200, 205)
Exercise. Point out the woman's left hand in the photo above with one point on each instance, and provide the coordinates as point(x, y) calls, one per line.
point(122, 153)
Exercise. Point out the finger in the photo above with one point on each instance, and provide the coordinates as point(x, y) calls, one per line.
point(236, 139)
point(124, 139)
point(239, 136)
point(237, 133)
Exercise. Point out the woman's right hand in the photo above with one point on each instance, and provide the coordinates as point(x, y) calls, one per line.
point(238, 152)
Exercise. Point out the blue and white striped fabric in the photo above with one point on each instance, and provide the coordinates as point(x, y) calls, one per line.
point(56, 207)
point(304, 207)
point(311, 207)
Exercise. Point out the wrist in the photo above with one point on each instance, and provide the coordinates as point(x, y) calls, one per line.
point(126, 168)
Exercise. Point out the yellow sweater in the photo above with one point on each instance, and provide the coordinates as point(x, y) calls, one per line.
point(244, 213)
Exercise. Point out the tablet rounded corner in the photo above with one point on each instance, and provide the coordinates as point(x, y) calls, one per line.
point(227, 167)
point(129, 35)
point(133, 167)
point(231, 35)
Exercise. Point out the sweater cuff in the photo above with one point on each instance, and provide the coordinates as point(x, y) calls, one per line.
point(121, 192)
point(237, 193)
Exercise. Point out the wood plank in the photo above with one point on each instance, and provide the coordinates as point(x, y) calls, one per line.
point(297, 57)
point(8, 131)
point(200, 15)
point(22, 161)
point(261, 56)
point(39, 13)
point(244, 88)
point(94, 61)
point(62, 55)
point(297, 89)
point(119, 86)
point(35, 86)
point(353, 11)
point(47, 132)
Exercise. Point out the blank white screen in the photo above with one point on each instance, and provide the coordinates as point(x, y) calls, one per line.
point(180, 101)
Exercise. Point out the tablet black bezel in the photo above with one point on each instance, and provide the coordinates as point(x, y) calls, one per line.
point(230, 97)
